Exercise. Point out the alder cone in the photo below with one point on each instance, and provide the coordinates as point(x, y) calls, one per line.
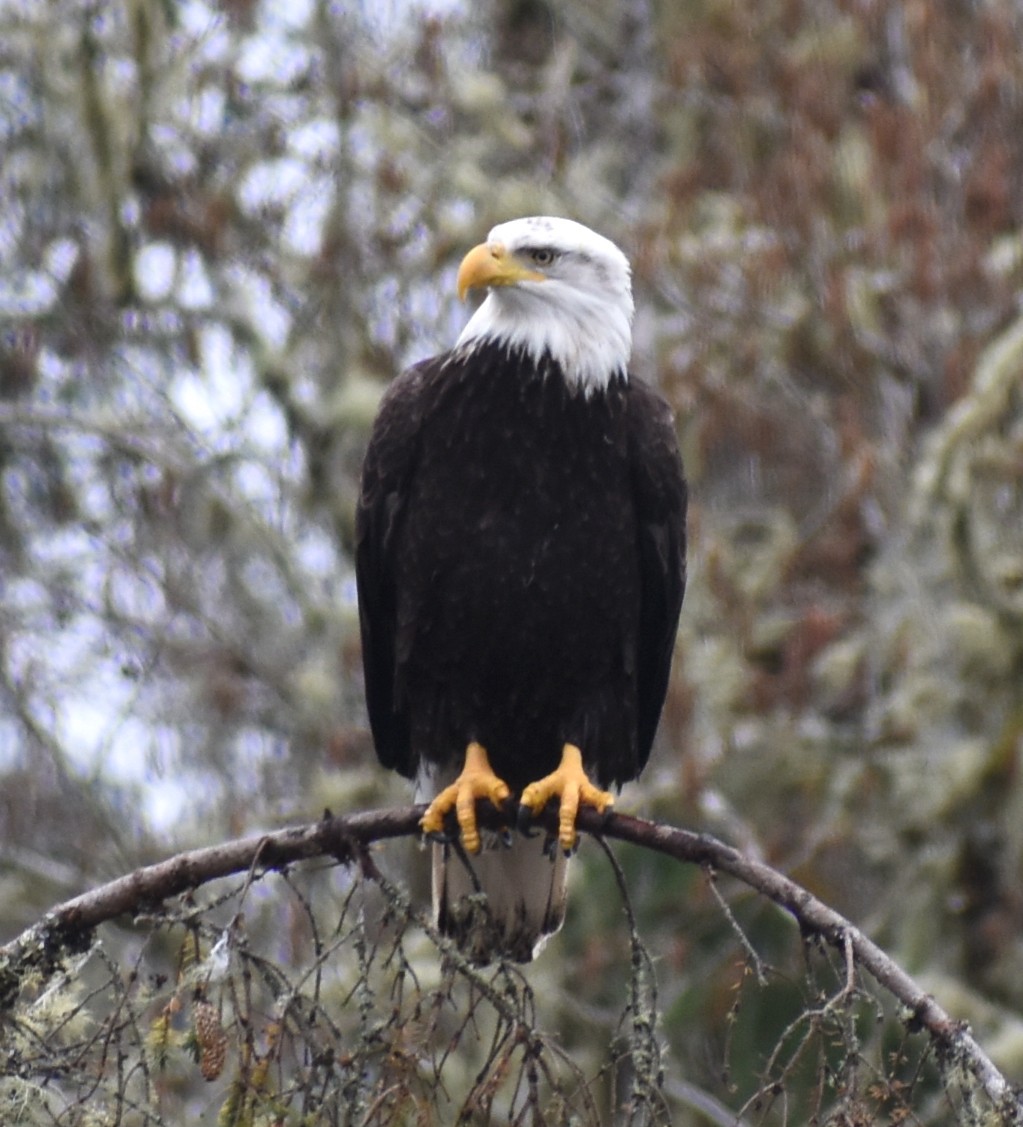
point(212, 1040)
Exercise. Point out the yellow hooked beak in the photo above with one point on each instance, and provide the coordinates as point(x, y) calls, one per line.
point(490, 264)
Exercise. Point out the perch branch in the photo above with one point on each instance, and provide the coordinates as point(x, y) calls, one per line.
point(68, 926)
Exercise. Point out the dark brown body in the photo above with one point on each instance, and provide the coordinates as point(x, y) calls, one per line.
point(521, 566)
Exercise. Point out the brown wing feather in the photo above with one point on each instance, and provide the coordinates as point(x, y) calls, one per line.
point(659, 489)
point(387, 470)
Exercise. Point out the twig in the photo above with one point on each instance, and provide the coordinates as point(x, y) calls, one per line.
point(753, 958)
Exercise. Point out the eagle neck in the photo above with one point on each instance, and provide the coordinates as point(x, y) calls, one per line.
point(529, 366)
point(589, 340)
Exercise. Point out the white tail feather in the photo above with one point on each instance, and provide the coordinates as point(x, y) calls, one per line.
point(524, 892)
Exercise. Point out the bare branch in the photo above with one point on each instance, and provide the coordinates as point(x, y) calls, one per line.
point(67, 926)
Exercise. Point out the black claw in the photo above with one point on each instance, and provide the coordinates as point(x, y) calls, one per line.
point(506, 837)
point(549, 845)
point(440, 837)
point(524, 822)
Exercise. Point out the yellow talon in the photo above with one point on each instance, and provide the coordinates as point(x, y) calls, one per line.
point(571, 786)
point(477, 780)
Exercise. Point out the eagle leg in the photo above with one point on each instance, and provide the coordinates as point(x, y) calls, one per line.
point(572, 787)
point(477, 780)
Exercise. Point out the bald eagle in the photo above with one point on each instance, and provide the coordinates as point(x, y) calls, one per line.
point(521, 564)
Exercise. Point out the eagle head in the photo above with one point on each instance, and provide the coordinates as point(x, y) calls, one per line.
point(555, 288)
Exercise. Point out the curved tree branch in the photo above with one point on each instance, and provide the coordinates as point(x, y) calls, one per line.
point(68, 926)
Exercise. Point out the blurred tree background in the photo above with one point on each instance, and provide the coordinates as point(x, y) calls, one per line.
point(226, 225)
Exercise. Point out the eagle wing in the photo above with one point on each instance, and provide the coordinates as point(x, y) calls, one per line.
point(386, 473)
point(660, 495)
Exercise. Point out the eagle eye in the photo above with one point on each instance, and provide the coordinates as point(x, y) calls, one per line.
point(542, 256)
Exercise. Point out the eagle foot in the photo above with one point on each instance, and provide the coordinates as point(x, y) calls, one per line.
point(476, 781)
point(572, 787)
